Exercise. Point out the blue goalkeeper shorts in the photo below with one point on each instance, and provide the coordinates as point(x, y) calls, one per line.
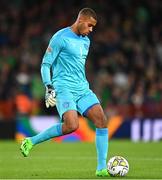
point(67, 100)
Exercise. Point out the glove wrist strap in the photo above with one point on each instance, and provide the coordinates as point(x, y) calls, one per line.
point(49, 86)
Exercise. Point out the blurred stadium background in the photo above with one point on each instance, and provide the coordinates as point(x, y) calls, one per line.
point(124, 66)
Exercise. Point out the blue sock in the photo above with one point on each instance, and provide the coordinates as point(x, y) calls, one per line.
point(102, 147)
point(49, 133)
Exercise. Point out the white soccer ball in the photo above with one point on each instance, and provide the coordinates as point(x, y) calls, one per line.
point(117, 166)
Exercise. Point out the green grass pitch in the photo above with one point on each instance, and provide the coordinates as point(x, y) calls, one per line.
point(52, 160)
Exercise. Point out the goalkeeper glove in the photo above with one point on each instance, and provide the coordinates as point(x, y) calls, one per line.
point(50, 96)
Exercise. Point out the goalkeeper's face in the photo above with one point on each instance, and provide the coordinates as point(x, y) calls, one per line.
point(86, 25)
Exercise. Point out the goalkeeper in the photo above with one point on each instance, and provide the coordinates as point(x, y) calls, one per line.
point(68, 89)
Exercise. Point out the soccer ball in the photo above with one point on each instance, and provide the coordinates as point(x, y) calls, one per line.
point(117, 166)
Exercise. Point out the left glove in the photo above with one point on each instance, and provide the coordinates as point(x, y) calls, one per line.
point(50, 96)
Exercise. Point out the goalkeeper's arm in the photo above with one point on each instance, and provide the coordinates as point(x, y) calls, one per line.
point(50, 96)
point(54, 48)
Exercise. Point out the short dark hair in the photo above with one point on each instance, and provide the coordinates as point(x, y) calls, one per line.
point(88, 12)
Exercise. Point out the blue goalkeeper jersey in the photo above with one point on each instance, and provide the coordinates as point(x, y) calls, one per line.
point(66, 56)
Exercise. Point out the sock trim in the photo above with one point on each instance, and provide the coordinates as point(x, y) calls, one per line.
point(59, 129)
point(101, 131)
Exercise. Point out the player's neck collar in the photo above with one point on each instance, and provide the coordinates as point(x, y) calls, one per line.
point(73, 31)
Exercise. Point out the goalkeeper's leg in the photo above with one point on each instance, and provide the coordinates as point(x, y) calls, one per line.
point(96, 114)
point(71, 123)
point(26, 146)
point(28, 143)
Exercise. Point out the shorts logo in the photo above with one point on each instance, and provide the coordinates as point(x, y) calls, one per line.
point(66, 104)
point(86, 46)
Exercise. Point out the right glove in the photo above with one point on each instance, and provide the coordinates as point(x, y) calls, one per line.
point(50, 96)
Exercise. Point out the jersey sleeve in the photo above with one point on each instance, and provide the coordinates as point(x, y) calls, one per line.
point(52, 51)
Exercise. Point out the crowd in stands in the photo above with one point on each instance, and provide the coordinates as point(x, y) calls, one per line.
point(124, 65)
